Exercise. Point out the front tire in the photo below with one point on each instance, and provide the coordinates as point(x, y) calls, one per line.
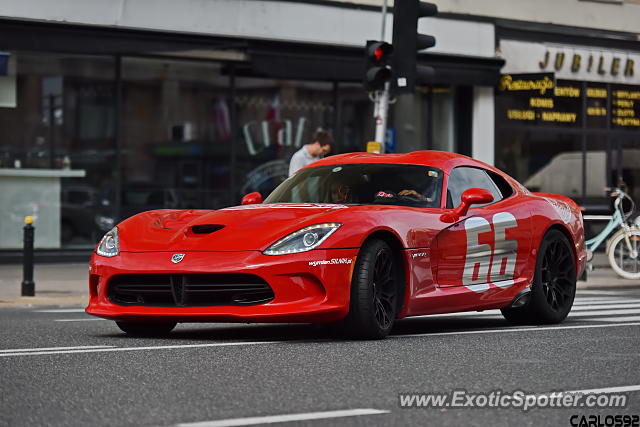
point(622, 261)
point(554, 284)
point(374, 297)
point(142, 329)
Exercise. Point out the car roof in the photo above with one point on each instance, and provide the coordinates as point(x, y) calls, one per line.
point(443, 160)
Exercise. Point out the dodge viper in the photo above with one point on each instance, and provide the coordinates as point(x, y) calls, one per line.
point(356, 239)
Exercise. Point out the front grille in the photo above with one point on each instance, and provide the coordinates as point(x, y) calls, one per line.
point(188, 290)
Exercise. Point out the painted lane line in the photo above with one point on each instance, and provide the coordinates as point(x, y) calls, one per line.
point(618, 319)
point(21, 350)
point(285, 418)
point(159, 347)
point(459, 314)
point(620, 389)
point(61, 310)
point(606, 301)
point(77, 320)
point(605, 390)
point(504, 330)
point(594, 292)
point(603, 306)
point(604, 312)
point(624, 303)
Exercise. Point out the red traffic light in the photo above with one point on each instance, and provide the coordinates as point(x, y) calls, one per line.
point(379, 52)
point(377, 65)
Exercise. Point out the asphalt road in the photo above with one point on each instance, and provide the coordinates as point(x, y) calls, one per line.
point(61, 367)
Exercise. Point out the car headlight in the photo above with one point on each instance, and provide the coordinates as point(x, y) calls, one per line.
point(303, 240)
point(109, 245)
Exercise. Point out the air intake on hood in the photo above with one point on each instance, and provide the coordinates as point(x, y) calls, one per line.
point(206, 228)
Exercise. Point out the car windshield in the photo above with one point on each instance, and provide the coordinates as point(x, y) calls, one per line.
point(363, 184)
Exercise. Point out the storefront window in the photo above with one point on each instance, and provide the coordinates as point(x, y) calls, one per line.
point(176, 134)
point(63, 119)
point(543, 161)
point(631, 168)
point(276, 118)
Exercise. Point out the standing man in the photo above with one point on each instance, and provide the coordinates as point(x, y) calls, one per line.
point(309, 153)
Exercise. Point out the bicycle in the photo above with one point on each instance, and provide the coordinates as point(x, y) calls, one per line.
point(623, 248)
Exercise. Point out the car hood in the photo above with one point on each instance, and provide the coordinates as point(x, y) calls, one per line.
point(250, 227)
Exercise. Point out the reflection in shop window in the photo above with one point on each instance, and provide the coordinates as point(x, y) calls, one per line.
point(276, 118)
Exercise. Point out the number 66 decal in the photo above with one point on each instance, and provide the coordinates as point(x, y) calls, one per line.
point(479, 268)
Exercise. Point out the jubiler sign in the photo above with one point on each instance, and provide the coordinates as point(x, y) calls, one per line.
point(572, 62)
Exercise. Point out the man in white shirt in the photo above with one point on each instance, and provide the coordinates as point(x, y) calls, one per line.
point(309, 153)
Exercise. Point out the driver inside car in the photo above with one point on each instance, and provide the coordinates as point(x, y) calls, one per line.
point(414, 193)
point(340, 193)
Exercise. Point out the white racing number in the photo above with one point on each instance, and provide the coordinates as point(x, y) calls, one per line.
point(484, 265)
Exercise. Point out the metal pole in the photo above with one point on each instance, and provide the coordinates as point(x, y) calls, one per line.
point(381, 112)
point(384, 20)
point(381, 106)
point(28, 286)
point(117, 140)
point(52, 118)
point(233, 117)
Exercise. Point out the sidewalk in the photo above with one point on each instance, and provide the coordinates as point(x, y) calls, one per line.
point(66, 284)
point(56, 284)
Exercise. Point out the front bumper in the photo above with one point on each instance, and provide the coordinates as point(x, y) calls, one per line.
point(312, 286)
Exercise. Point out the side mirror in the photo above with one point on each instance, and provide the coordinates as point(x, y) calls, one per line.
point(472, 196)
point(254, 198)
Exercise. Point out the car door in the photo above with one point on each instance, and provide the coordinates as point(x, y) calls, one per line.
point(489, 247)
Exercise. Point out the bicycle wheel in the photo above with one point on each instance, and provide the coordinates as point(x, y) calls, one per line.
point(624, 262)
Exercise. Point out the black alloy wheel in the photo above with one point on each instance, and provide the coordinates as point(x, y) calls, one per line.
point(558, 276)
point(554, 284)
point(374, 292)
point(384, 294)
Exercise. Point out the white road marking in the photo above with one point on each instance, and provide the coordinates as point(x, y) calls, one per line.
point(583, 309)
point(619, 319)
point(603, 312)
point(158, 347)
point(77, 320)
point(621, 389)
point(586, 301)
point(106, 349)
point(61, 310)
point(459, 314)
point(285, 418)
point(595, 292)
point(503, 330)
point(603, 306)
point(41, 349)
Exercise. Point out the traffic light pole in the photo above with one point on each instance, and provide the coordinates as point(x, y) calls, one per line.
point(380, 114)
point(381, 101)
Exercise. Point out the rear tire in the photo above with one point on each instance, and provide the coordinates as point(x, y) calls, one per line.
point(141, 329)
point(374, 297)
point(554, 284)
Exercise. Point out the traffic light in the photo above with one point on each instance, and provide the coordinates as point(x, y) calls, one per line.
point(377, 64)
point(407, 42)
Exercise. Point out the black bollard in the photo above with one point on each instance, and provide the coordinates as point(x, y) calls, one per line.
point(28, 286)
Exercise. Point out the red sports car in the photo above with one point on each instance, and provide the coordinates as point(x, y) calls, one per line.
point(361, 239)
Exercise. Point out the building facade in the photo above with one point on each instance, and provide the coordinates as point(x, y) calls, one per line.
point(143, 104)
